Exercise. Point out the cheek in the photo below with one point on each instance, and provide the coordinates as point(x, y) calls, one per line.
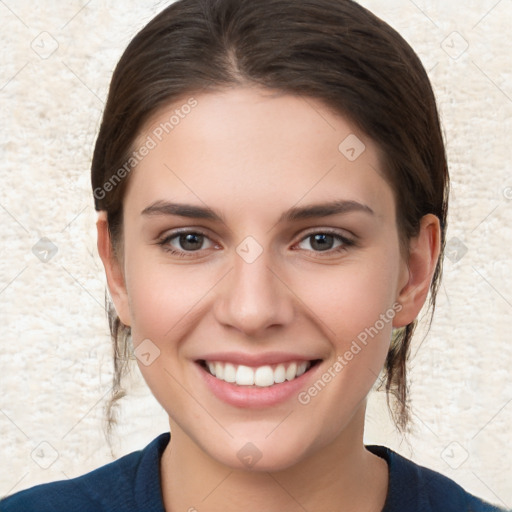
point(163, 296)
point(166, 303)
point(351, 299)
point(355, 310)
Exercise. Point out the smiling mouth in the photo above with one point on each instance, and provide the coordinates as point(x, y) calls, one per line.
point(262, 376)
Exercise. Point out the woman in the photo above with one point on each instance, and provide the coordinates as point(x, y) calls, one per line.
point(271, 183)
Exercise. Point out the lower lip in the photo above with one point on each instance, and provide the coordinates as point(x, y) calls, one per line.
point(254, 396)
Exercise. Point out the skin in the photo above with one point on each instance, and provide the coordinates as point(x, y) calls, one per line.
point(250, 155)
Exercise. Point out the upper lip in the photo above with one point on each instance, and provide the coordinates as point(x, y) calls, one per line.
point(238, 358)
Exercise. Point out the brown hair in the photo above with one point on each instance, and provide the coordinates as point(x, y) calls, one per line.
point(332, 50)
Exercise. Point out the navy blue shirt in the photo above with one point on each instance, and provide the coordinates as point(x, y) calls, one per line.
point(132, 483)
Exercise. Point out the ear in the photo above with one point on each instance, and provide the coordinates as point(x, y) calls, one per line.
point(418, 270)
point(113, 270)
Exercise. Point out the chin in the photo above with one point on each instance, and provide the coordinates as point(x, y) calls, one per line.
point(259, 457)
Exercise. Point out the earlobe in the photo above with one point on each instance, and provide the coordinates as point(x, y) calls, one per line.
point(113, 270)
point(424, 252)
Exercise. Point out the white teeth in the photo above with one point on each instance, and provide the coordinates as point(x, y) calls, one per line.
point(263, 376)
point(279, 374)
point(219, 370)
point(301, 369)
point(291, 372)
point(244, 376)
point(229, 373)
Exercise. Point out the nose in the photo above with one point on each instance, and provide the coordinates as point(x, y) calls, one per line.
point(253, 298)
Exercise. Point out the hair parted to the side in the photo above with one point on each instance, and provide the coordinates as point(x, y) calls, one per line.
point(334, 51)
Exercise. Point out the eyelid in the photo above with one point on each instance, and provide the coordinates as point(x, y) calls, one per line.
point(329, 231)
point(346, 242)
point(167, 234)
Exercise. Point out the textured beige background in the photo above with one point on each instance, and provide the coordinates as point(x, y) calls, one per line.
point(55, 364)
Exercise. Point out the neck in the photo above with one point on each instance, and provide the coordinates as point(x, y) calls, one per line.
point(342, 476)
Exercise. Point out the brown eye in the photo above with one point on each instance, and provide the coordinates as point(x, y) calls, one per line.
point(321, 242)
point(190, 241)
point(186, 242)
point(324, 241)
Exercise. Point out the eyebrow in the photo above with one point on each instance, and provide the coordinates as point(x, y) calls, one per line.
point(293, 214)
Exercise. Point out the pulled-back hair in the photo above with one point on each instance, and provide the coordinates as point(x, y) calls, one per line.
point(334, 51)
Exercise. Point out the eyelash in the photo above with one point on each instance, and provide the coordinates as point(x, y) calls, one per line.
point(180, 254)
point(345, 242)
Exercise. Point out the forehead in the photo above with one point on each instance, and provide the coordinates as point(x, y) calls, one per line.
point(241, 146)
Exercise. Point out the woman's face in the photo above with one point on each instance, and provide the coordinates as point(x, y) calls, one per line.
point(259, 232)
